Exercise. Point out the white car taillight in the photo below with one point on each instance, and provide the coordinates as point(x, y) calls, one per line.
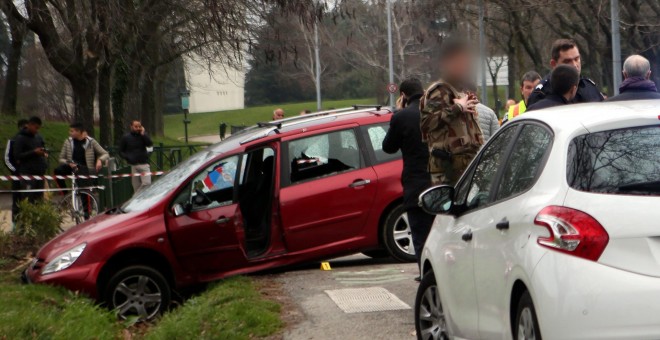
point(572, 232)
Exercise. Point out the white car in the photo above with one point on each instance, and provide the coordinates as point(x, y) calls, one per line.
point(553, 231)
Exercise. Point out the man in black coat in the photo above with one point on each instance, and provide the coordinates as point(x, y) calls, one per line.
point(566, 52)
point(133, 148)
point(405, 135)
point(31, 156)
point(637, 82)
point(12, 165)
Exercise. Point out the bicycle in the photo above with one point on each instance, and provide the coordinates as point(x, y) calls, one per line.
point(79, 205)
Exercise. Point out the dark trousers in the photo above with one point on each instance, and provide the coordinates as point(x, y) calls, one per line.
point(66, 170)
point(15, 198)
point(420, 226)
point(32, 197)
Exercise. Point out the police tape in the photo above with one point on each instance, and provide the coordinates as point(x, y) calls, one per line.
point(101, 187)
point(48, 177)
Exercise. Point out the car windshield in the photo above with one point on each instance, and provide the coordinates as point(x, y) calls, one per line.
point(150, 195)
point(625, 161)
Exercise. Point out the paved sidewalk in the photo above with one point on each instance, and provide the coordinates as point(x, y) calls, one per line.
point(5, 212)
point(322, 319)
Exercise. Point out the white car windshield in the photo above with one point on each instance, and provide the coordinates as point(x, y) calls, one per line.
point(152, 194)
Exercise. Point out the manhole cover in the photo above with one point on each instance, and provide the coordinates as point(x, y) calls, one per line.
point(362, 300)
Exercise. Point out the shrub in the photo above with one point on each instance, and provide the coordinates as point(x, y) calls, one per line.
point(39, 222)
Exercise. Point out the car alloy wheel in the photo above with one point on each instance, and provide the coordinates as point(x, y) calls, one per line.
point(403, 235)
point(430, 317)
point(527, 327)
point(138, 291)
point(398, 236)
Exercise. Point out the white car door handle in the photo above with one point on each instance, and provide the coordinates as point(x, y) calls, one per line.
point(359, 183)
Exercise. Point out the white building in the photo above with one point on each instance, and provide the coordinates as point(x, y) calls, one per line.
point(220, 89)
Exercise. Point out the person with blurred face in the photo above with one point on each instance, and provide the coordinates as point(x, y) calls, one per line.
point(278, 114)
point(566, 52)
point(528, 82)
point(448, 115)
point(133, 148)
point(80, 154)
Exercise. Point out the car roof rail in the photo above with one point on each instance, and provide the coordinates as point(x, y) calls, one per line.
point(311, 117)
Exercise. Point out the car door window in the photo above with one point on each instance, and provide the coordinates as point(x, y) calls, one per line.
point(323, 155)
point(214, 186)
point(486, 170)
point(376, 134)
point(527, 156)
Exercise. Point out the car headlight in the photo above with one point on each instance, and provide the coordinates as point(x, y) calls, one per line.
point(64, 260)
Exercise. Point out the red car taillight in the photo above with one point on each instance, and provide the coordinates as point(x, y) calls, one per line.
point(572, 232)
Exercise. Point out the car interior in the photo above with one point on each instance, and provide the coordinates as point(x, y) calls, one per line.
point(323, 155)
point(255, 197)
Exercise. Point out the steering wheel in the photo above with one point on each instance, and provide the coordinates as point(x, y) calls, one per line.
point(204, 198)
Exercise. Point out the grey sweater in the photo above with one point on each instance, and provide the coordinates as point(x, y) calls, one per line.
point(488, 121)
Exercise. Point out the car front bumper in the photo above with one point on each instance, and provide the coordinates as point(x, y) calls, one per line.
point(581, 299)
point(77, 278)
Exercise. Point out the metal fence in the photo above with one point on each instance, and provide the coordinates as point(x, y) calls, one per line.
point(118, 190)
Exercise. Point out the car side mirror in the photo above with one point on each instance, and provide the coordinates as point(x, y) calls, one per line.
point(437, 200)
point(178, 210)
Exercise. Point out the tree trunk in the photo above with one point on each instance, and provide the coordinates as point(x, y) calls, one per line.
point(118, 92)
point(84, 93)
point(10, 96)
point(105, 113)
point(148, 104)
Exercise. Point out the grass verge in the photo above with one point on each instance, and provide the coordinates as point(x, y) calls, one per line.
point(202, 124)
point(230, 309)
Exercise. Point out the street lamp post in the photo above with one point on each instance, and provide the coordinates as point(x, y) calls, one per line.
point(390, 52)
point(616, 46)
point(185, 105)
point(482, 54)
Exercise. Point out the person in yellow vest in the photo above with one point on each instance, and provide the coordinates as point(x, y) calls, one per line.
point(527, 85)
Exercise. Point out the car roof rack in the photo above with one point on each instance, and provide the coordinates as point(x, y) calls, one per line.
point(311, 117)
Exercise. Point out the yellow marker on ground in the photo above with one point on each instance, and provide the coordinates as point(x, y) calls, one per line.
point(325, 266)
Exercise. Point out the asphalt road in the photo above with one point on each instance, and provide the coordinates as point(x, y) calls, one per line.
point(319, 317)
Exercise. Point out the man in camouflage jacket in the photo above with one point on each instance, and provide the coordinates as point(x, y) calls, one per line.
point(448, 117)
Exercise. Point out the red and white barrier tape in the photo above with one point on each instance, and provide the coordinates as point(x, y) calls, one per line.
point(40, 178)
point(52, 189)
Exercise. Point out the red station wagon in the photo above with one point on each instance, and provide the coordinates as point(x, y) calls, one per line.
point(279, 193)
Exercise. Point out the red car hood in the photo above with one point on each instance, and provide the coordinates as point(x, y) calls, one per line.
point(90, 230)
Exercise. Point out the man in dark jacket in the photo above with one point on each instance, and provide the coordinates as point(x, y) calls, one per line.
point(565, 80)
point(12, 165)
point(637, 82)
point(133, 148)
point(31, 156)
point(566, 52)
point(405, 134)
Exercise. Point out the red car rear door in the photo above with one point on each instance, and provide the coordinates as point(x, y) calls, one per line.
point(327, 191)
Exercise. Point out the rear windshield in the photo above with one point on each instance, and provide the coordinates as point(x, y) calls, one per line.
point(625, 162)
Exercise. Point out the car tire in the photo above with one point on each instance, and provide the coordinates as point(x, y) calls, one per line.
point(527, 325)
point(430, 316)
point(397, 236)
point(138, 291)
point(377, 254)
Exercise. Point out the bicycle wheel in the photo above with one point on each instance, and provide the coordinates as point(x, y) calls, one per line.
point(75, 212)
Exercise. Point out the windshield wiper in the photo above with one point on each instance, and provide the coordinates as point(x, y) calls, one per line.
point(650, 186)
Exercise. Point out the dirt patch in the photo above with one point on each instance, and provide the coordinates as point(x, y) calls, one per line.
point(15, 252)
point(272, 290)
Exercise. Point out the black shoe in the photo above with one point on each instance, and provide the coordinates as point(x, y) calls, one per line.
point(418, 279)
